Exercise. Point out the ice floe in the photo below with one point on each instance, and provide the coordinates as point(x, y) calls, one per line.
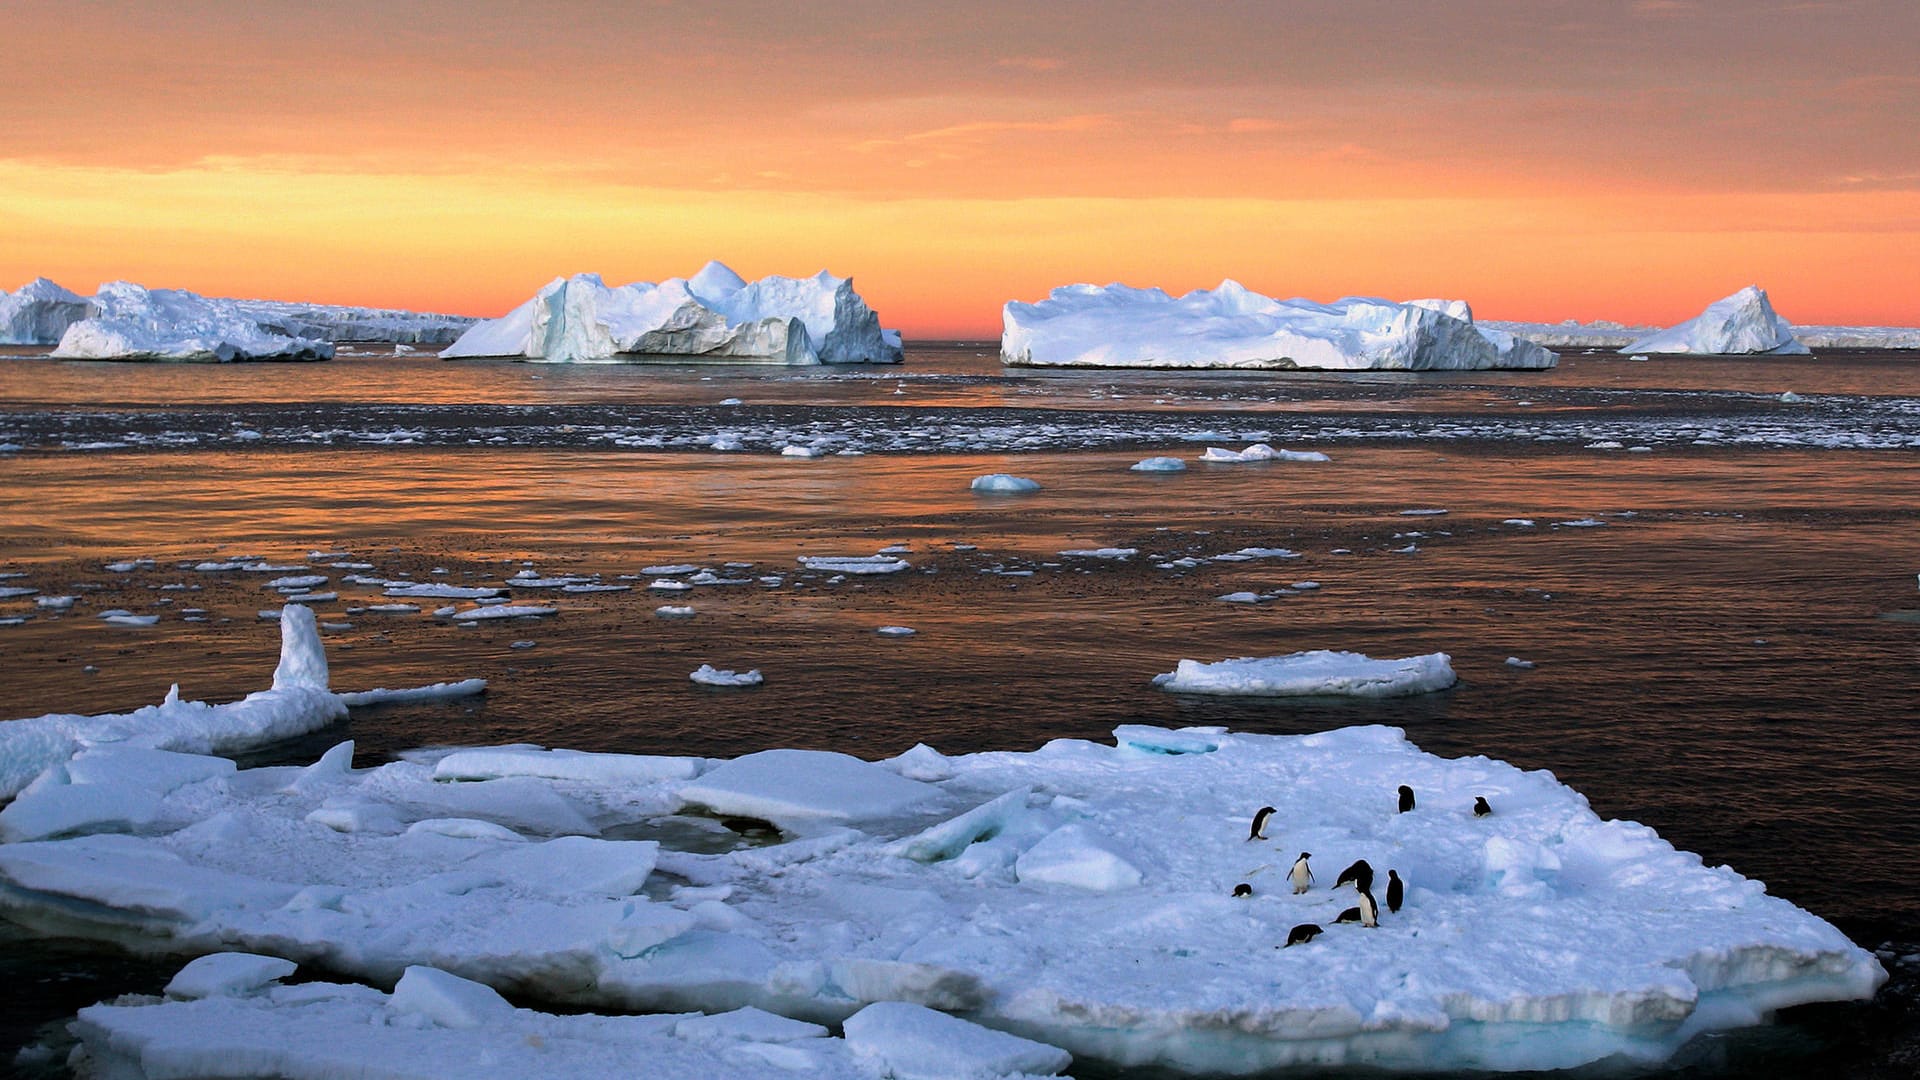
point(130, 322)
point(1260, 452)
point(1319, 672)
point(712, 316)
point(1233, 327)
point(708, 675)
point(1003, 484)
point(1079, 894)
point(1744, 323)
point(1158, 464)
point(861, 564)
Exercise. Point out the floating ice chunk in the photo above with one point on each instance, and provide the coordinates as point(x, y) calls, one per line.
point(302, 581)
point(1232, 327)
point(669, 585)
point(124, 618)
point(227, 974)
point(1790, 398)
point(799, 788)
point(1516, 662)
point(1158, 464)
point(1242, 598)
point(437, 591)
point(1078, 856)
point(128, 322)
point(493, 763)
point(1519, 523)
point(913, 1042)
point(1317, 672)
point(1003, 484)
point(1580, 523)
point(14, 592)
point(55, 603)
point(1101, 553)
point(594, 587)
point(440, 691)
point(794, 451)
point(1741, 324)
point(1424, 512)
point(863, 564)
point(672, 611)
point(896, 631)
point(669, 571)
point(503, 611)
point(448, 1000)
point(708, 675)
point(817, 320)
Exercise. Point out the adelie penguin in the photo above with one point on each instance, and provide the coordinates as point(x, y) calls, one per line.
point(1480, 807)
point(1258, 832)
point(1359, 875)
point(1301, 875)
point(1396, 891)
point(1366, 914)
point(1243, 890)
point(1406, 798)
point(1302, 934)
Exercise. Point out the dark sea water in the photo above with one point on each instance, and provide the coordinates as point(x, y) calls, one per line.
point(1729, 655)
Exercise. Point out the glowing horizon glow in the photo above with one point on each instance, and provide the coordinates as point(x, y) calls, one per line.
point(1633, 166)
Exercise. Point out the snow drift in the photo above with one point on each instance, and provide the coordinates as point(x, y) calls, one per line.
point(1232, 327)
point(712, 316)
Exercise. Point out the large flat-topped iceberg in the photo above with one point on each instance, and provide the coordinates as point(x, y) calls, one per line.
point(38, 313)
point(1232, 327)
point(1081, 895)
point(712, 316)
point(1741, 324)
point(130, 322)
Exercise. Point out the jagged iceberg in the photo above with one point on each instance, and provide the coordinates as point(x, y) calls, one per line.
point(1081, 895)
point(1741, 324)
point(131, 322)
point(714, 316)
point(1232, 327)
point(38, 313)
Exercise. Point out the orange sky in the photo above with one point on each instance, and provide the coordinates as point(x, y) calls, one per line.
point(1542, 159)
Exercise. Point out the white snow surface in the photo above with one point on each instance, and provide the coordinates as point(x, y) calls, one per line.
point(126, 321)
point(38, 313)
point(714, 315)
point(1741, 324)
point(1319, 672)
point(1233, 327)
point(299, 701)
point(437, 1026)
point(1540, 937)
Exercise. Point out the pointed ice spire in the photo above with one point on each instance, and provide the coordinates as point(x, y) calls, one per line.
point(715, 281)
point(303, 660)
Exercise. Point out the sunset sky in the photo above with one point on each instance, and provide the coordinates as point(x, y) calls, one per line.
point(1541, 159)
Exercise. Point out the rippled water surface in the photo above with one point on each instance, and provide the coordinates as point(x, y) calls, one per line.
point(1725, 630)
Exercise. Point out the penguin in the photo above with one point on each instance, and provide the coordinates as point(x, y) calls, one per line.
point(1302, 934)
point(1396, 891)
point(1369, 910)
point(1351, 915)
point(1480, 807)
point(1259, 823)
point(1359, 874)
point(1406, 798)
point(1301, 875)
point(1243, 889)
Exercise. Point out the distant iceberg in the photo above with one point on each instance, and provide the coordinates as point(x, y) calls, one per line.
point(1741, 324)
point(713, 316)
point(130, 322)
point(1233, 327)
point(38, 313)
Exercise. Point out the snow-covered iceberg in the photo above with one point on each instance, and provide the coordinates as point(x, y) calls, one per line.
point(714, 316)
point(131, 322)
point(1741, 324)
point(1081, 895)
point(1232, 327)
point(38, 313)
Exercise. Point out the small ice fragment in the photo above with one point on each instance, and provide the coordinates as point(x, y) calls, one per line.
point(896, 631)
point(1003, 483)
point(522, 645)
point(1158, 464)
point(708, 675)
point(1516, 662)
point(799, 452)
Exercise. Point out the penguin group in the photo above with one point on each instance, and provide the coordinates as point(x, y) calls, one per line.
point(1359, 875)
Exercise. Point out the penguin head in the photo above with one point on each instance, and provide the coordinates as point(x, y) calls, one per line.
point(1305, 855)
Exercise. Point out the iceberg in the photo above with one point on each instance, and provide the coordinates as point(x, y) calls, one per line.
point(38, 313)
point(713, 316)
point(1233, 327)
point(1741, 324)
point(1319, 672)
point(130, 322)
point(1079, 895)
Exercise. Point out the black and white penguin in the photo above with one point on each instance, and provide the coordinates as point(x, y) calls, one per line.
point(1302, 934)
point(1243, 889)
point(1260, 823)
point(1301, 875)
point(1351, 915)
point(1359, 875)
point(1480, 807)
point(1406, 798)
point(1396, 891)
point(1369, 909)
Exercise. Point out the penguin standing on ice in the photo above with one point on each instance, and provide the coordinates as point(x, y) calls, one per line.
point(1366, 913)
point(1480, 807)
point(1406, 798)
point(1360, 875)
point(1302, 934)
point(1301, 875)
point(1396, 891)
point(1260, 823)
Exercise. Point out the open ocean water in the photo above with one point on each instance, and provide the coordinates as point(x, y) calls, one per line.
point(1717, 588)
